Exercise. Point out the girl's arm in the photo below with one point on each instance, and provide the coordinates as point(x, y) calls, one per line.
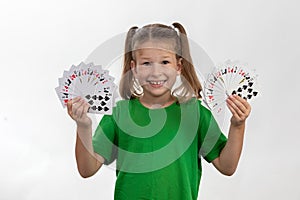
point(228, 160)
point(88, 162)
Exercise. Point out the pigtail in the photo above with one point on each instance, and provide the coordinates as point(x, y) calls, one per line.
point(188, 70)
point(126, 83)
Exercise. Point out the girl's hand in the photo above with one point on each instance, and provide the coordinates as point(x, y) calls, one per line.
point(239, 108)
point(77, 109)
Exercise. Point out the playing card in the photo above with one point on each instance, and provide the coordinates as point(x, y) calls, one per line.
point(101, 101)
point(90, 82)
point(227, 79)
point(64, 96)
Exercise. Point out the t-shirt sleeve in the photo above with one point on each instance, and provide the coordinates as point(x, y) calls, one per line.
point(211, 138)
point(104, 139)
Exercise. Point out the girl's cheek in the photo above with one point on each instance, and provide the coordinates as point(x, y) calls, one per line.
point(143, 71)
point(141, 76)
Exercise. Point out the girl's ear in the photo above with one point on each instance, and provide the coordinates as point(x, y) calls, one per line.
point(179, 66)
point(133, 67)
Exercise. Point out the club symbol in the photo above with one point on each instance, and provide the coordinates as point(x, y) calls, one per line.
point(94, 97)
point(106, 89)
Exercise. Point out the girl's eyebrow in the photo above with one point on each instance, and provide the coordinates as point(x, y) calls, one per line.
point(145, 58)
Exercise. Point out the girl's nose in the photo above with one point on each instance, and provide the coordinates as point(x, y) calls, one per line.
point(156, 69)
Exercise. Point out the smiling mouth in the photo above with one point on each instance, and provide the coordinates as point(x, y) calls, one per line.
point(157, 83)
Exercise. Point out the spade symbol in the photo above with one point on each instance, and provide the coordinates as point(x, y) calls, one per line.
point(239, 89)
point(255, 93)
point(103, 103)
point(250, 84)
point(106, 98)
point(88, 96)
point(100, 97)
point(91, 102)
point(245, 87)
point(233, 92)
point(249, 96)
point(250, 90)
point(94, 107)
point(106, 108)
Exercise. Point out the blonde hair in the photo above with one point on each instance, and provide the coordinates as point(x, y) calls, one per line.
point(190, 86)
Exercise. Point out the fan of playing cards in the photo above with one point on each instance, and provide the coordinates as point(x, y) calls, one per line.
point(227, 79)
point(90, 82)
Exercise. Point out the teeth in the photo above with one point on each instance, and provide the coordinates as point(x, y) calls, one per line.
point(156, 82)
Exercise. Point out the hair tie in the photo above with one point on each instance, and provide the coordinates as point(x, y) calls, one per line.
point(175, 29)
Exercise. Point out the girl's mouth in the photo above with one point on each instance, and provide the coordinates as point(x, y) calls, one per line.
point(157, 84)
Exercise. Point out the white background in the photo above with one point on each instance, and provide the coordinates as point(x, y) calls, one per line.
point(40, 39)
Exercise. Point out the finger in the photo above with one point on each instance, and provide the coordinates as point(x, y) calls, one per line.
point(233, 108)
point(246, 106)
point(82, 110)
point(77, 107)
point(69, 107)
point(239, 102)
point(75, 100)
point(86, 106)
point(71, 102)
point(235, 105)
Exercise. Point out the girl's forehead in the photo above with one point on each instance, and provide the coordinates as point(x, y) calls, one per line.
point(154, 53)
point(161, 45)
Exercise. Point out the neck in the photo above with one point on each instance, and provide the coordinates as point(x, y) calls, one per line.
point(157, 102)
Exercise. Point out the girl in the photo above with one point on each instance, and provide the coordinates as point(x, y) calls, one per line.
point(159, 131)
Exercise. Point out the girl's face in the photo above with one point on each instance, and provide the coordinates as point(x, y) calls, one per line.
point(156, 68)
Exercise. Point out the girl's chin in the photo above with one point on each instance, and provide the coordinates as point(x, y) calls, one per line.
point(156, 90)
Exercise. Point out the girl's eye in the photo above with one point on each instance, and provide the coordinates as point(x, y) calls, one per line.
point(146, 63)
point(165, 62)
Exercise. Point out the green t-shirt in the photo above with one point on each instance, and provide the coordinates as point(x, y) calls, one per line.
point(157, 151)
